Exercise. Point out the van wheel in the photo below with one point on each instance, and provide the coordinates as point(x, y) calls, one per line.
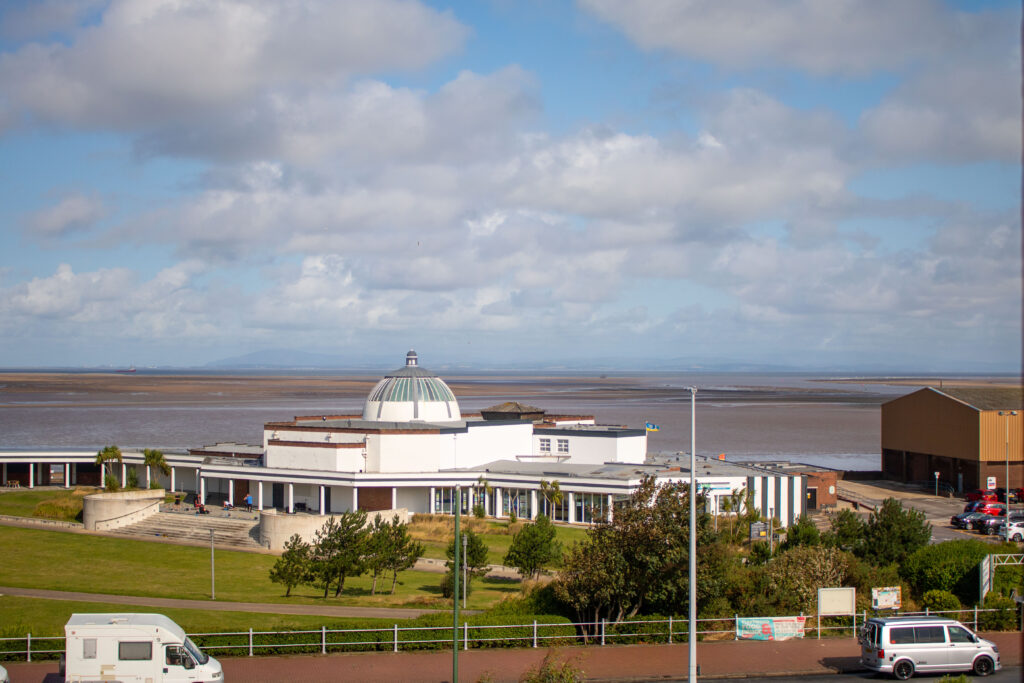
point(983, 666)
point(903, 669)
point(1017, 538)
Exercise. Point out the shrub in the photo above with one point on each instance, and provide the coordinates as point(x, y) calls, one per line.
point(940, 601)
point(951, 566)
point(479, 512)
point(1004, 619)
point(448, 583)
point(111, 483)
point(133, 479)
point(552, 671)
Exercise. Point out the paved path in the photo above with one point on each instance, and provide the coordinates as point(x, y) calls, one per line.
point(221, 606)
point(725, 659)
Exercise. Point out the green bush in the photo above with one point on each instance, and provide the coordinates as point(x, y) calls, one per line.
point(940, 601)
point(951, 566)
point(133, 479)
point(448, 581)
point(1004, 619)
point(552, 671)
point(111, 483)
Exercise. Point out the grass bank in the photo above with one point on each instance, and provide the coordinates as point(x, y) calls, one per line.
point(99, 564)
point(60, 504)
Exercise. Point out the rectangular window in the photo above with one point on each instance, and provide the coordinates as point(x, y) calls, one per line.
point(135, 652)
point(959, 635)
point(901, 636)
point(545, 445)
point(563, 445)
point(88, 648)
point(930, 634)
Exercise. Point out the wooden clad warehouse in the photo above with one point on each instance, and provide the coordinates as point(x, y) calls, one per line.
point(957, 432)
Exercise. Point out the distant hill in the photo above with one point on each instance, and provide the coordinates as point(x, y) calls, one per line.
point(280, 359)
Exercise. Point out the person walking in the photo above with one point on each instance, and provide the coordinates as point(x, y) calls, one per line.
point(248, 502)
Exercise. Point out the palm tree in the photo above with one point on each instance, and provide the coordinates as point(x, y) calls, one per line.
point(108, 455)
point(481, 484)
point(553, 496)
point(154, 458)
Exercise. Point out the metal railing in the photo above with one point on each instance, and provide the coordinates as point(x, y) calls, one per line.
point(536, 634)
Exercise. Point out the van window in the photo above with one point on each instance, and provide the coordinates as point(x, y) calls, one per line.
point(88, 648)
point(958, 634)
point(930, 634)
point(902, 635)
point(871, 635)
point(137, 651)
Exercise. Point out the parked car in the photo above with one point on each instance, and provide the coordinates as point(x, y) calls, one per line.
point(3, 676)
point(1001, 495)
point(902, 646)
point(987, 524)
point(964, 519)
point(1012, 530)
point(980, 494)
point(992, 508)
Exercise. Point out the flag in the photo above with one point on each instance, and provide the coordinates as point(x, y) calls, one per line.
point(651, 427)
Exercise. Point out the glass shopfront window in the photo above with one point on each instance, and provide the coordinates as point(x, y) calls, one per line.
point(516, 502)
point(556, 512)
point(444, 502)
point(590, 507)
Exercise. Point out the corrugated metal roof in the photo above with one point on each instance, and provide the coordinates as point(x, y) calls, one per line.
point(987, 398)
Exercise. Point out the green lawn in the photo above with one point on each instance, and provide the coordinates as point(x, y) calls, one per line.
point(23, 502)
point(36, 558)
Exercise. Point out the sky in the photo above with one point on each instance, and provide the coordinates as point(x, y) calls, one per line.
point(792, 183)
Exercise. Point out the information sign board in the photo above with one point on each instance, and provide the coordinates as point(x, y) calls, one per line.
point(889, 597)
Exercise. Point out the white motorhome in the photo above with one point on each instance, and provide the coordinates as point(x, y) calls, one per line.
point(142, 648)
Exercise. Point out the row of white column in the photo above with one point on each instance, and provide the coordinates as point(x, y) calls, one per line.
point(290, 507)
point(70, 474)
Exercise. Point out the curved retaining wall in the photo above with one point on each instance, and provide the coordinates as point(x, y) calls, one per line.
point(106, 511)
point(276, 527)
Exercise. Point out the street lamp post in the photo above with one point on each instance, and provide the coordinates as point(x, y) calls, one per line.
point(693, 535)
point(936, 483)
point(1006, 487)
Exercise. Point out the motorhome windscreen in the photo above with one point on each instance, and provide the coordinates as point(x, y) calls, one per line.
point(197, 654)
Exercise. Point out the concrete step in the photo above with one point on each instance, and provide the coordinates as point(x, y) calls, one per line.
point(227, 532)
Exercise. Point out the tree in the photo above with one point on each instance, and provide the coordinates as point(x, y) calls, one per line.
point(479, 510)
point(104, 457)
point(475, 556)
point(390, 548)
point(405, 551)
point(154, 458)
point(638, 561)
point(846, 532)
point(339, 549)
point(804, 532)
point(893, 532)
point(293, 565)
point(796, 575)
point(533, 547)
point(551, 494)
point(950, 566)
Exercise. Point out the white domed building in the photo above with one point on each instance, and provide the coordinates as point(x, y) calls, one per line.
point(412, 445)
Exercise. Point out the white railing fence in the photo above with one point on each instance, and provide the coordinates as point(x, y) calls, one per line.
point(395, 638)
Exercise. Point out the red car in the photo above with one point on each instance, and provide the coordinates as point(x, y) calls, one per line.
point(981, 494)
point(989, 508)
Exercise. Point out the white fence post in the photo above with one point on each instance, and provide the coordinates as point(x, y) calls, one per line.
point(670, 629)
point(396, 637)
point(975, 617)
point(602, 630)
point(534, 633)
point(250, 641)
point(28, 647)
point(735, 626)
point(465, 635)
point(323, 640)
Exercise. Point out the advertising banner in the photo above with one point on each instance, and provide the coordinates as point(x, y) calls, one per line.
point(770, 628)
point(889, 597)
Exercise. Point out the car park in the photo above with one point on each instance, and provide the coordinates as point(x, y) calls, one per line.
point(980, 494)
point(1015, 495)
point(903, 646)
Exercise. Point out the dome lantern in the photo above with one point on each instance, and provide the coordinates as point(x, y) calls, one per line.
point(411, 393)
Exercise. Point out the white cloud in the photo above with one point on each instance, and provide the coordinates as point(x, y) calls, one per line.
point(840, 36)
point(75, 212)
point(153, 63)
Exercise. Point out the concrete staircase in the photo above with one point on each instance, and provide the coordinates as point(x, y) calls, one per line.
point(236, 533)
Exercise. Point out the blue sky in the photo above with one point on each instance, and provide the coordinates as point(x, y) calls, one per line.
point(802, 184)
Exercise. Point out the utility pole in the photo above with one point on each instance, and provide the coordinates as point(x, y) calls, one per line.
point(213, 593)
point(455, 589)
point(693, 535)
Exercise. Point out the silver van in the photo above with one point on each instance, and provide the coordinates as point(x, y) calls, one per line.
point(904, 645)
